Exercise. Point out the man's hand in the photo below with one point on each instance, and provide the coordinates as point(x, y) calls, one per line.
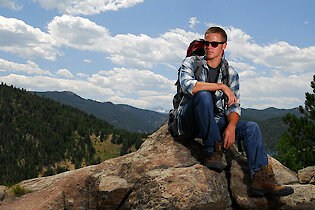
point(229, 136)
point(228, 92)
point(229, 133)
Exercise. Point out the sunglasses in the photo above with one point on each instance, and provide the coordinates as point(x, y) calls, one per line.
point(213, 44)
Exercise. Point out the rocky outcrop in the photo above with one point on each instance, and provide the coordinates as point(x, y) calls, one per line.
point(162, 174)
point(307, 175)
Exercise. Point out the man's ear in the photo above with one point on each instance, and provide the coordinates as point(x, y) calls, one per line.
point(224, 46)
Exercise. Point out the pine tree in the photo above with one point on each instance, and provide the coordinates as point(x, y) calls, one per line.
point(297, 146)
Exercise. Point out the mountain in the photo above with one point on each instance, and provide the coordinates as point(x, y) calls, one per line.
point(265, 114)
point(121, 116)
point(39, 136)
point(150, 179)
point(270, 122)
point(140, 120)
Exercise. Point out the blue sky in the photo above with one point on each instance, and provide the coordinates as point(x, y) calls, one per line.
point(128, 51)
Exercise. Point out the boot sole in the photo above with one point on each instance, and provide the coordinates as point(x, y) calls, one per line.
point(260, 193)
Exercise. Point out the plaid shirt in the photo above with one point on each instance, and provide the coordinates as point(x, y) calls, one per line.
point(187, 82)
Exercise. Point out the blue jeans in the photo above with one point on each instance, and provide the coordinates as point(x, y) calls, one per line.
point(197, 119)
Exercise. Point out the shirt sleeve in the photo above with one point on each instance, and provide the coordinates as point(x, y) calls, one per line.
point(234, 85)
point(187, 78)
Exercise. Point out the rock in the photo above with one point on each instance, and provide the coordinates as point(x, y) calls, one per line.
point(110, 191)
point(307, 175)
point(239, 184)
point(162, 174)
point(193, 187)
point(303, 198)
point(283, 175)
point(3, 192)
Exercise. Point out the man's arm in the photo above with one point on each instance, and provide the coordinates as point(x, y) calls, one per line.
point(229, 133)
point(200, 86)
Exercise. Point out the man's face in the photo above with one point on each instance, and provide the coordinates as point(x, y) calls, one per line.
point(214, 51)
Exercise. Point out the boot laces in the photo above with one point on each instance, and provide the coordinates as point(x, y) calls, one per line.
point(268, 175)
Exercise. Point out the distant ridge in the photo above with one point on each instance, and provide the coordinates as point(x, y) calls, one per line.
point(265, 114)
point(120, 115)
point(141, 120)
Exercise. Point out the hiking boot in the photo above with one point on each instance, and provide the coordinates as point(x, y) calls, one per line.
point(213, 160)
point(264, 184)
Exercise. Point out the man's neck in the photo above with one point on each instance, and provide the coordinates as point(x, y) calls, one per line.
point(214, 62)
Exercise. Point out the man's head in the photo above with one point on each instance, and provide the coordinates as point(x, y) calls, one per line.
point(217, 30)
point(215, 43)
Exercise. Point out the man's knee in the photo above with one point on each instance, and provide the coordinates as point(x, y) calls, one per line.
point(203, 96)
point(253, 129)
point(253, 126)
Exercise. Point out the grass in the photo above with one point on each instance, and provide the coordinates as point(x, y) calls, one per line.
point(19, 190)
point(105, 150)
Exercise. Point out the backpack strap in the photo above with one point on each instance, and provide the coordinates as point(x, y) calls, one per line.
point(198, 66)
point(225, 78)
point(225, 71)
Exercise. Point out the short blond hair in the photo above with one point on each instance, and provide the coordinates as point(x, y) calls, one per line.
point(217, 30)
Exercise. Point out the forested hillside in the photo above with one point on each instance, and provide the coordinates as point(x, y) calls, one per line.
point(121, 116)
point(37, 135)
point(140, 120)
point(271, 124)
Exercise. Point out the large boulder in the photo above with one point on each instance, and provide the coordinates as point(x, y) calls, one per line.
point(307, 175)
point(303, 198)
point(162, 174)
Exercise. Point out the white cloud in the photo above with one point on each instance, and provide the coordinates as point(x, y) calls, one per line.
point(24, 40)
point(277, 90)
point(140, 88)
point(86, 7)
point(123, 49)
point(279, 55)
point(169, 48)
point(45, 83)
point(285, 77)
point(87, 61)
point(242, 65)
point(29, 68)
point(82, 75)
point(128, 81)
point(65, 73)
point(192, 22)
point(11, 4)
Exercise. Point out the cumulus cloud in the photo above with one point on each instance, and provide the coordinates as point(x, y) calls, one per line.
point(82, 75)
point(277, 90)
point(24, 40)
point(279, 55)
point(86, 7)
point(277, 72)
point(126, 81)
point(44, 83)
point(140, 88)
point(29, 68)
point(11, 4)
point(123, 49)
point(65, 73)
point(87, 61)
point(192, 22)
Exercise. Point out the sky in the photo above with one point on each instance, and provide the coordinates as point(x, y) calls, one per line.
point(129, 51)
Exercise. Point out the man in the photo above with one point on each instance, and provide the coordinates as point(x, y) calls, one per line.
point(205, 114)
